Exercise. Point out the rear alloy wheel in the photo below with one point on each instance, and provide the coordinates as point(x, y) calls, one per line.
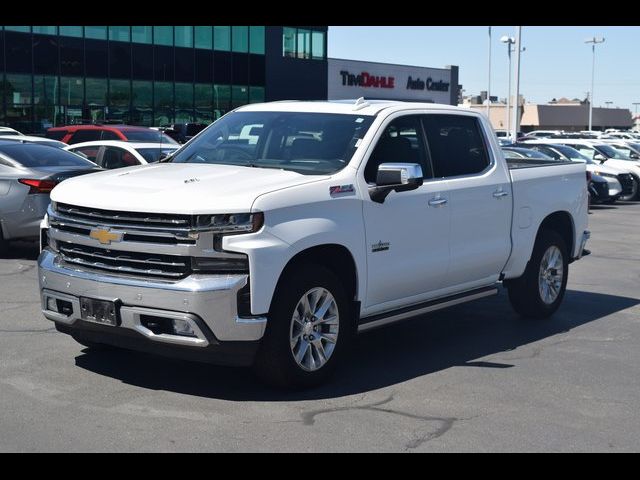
point(539, 291)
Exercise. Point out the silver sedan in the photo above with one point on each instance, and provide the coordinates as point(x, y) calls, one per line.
point(28, 173)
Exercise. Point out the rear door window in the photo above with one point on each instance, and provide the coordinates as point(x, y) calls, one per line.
point(455, 144)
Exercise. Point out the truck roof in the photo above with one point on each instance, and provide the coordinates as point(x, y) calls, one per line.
point(352, 107)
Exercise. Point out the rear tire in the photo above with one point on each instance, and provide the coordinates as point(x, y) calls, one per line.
point(308, 331)
point(4, 246)
point(539, 291)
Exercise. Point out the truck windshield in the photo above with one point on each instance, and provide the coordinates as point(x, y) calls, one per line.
point(307, 143)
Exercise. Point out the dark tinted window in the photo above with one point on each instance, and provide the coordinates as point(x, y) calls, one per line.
point(401, 142)
point(56, 134)
point(307, 143)
point(34, 156)
point(114, 157)
point(151, 136)
point(455, 144)
point(109, 135)
point(85, 136)
point(90, 152)
point(154, 154)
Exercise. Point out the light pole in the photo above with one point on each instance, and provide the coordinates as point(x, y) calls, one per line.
point(594, 41)
point(636, 105)
point(489, 81)
point(516, 110)
point(509, 41)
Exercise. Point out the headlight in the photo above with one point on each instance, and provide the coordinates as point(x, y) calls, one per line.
point(231, 223)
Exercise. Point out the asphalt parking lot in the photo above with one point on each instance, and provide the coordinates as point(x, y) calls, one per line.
point(473, 378)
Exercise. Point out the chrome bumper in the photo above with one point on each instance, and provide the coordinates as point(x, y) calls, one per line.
point(211, 298)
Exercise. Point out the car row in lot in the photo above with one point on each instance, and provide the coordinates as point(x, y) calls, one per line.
point(28, 173)
point(30, 167)
point(612, 159)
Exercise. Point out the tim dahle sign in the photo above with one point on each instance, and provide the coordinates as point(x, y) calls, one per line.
point(364, 79)
point(429, 84)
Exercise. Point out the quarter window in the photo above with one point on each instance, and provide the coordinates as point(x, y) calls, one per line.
point(455, 145)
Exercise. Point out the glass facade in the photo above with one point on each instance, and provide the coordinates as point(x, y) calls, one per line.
point(304, 43)
point(140, 75)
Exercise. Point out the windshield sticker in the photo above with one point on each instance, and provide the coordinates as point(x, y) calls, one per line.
point(342, 190)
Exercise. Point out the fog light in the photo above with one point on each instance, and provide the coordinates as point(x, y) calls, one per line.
point(52, 304)
point(183, 328)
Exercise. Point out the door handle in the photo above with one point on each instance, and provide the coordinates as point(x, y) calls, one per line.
point(500, 194)
point(437, 202)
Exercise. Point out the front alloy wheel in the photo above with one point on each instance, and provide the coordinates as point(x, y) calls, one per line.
point(314, 329)
point(309, 328)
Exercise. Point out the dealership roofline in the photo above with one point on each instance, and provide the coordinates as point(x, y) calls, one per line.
point(392, 64)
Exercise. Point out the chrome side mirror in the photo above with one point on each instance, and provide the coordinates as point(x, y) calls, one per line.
point(399, 177)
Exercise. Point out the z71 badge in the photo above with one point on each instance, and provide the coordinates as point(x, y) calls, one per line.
point(380, 247)
point(341, 190)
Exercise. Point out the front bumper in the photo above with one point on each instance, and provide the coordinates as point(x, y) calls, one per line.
point(207, 303)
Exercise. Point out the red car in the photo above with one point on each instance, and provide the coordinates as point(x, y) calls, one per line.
point(87, 133)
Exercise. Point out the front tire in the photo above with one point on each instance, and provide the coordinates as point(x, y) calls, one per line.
point(540, 290)
point(308, 330)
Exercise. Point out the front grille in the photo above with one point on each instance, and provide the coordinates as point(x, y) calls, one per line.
point(626, 180)
point(135, 219)
point(162, 266)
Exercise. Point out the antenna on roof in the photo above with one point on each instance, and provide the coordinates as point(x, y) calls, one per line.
point(360, 103)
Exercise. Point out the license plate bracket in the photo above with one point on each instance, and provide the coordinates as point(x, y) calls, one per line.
point(104, 312)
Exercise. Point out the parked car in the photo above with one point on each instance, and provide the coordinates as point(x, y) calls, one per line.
point(541, 134)
point(111, 154)
point(183, 132)
point(28, 173)
point(32, 139)
point(89, 133)
point(338, 217)
point(8, 132)
point(603, 190)
point(604, 154)
point(620, 182)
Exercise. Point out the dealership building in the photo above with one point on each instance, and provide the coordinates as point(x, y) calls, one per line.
point(385, 81)
point(157, 75)
point(152, 75)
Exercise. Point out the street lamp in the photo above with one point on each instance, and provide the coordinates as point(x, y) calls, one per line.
point(509, 41)
point(608, 103)
point(594, 41)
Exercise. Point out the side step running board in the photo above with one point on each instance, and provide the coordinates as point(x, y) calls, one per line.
point(374, 321)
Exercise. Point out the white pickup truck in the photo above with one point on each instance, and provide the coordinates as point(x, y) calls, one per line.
point(338, 217)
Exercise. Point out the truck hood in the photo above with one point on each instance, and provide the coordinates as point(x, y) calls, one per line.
point(180, 188)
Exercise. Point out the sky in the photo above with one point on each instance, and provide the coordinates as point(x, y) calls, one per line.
point(555, 64)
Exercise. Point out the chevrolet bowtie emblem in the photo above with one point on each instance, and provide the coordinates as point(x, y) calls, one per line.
point(105, 236)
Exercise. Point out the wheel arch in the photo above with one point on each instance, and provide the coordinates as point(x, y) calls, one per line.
point(562, 223)
point(335, 257)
